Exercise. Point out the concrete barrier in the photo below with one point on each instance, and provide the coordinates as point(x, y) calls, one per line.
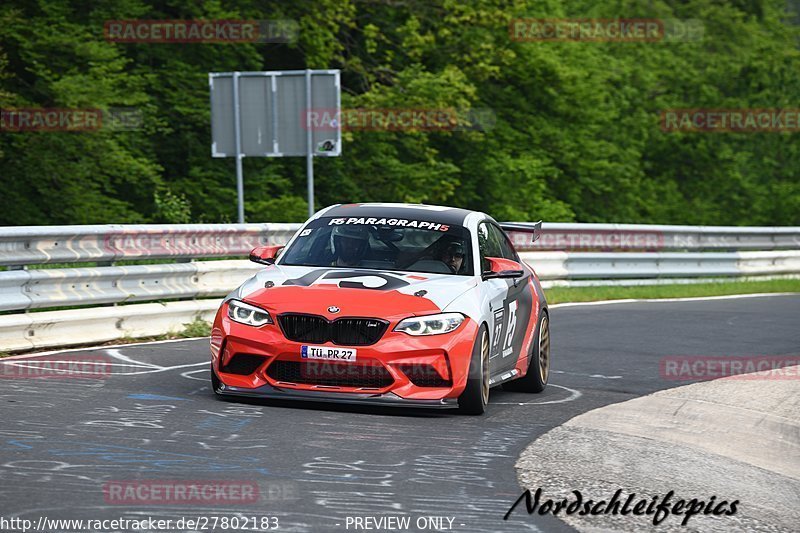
point(40, 289)
point(47, 329)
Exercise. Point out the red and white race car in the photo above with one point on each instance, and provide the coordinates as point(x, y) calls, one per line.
point(390, 304)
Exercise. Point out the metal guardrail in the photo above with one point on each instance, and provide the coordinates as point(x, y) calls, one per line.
point(578, 253)
point(657, 238)
point(40, 289)
point(33, 245)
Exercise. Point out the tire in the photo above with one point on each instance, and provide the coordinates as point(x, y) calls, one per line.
point(475, 398)
point(215, 382)
point(535, 380)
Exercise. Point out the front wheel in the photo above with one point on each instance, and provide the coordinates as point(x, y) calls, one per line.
point(475, 398)
point(535, 380)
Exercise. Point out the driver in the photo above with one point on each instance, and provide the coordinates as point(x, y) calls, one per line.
point(453, 256)
point(349, 245)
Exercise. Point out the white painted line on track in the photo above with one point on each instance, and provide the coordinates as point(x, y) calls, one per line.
point(148, 370)
point(598, 376)
point(37, 365)
point(125, 361)
point(574, 395)
point(188, 375)
point(116, 354)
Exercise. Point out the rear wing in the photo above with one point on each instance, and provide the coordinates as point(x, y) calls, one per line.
point(534, 228)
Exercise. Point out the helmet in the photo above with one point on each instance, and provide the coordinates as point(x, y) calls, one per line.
point(452, 254)
point(349, 243)
point(454, 247)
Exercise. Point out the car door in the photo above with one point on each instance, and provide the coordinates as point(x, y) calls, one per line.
point(510, 301)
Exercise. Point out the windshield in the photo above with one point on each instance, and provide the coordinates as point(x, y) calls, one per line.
point(382, 244)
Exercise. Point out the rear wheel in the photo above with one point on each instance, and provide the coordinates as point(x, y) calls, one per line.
point(538, 363)
point(475, 398)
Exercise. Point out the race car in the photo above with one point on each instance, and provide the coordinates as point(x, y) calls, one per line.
point(387, 304)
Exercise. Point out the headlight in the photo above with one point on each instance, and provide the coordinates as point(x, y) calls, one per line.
point(247, 314)
point(431, 324)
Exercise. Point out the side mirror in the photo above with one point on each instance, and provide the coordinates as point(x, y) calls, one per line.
point(502, 268)
point(265, 255)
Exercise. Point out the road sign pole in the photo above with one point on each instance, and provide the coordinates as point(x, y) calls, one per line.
point(237, 120)
point(309, 147)
point(259, 114)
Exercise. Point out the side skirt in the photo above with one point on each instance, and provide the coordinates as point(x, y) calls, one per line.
point(505, 376)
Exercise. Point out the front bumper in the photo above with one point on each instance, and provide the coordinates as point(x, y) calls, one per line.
point(450, 354)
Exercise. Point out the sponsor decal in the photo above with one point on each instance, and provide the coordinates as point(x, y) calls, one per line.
point(399, 222)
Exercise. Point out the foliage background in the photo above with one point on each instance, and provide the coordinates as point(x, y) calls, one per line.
point(577, 136)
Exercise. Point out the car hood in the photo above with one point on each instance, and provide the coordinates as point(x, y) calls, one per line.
point(354, 292)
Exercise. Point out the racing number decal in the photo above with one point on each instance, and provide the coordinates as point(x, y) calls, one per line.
point(498, 332)
point(505, 334)
point(512, 326)
point(353, 279)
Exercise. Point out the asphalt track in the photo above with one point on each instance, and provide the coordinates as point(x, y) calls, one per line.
point(155, 418)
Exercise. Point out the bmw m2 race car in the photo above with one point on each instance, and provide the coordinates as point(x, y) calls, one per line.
point(389, 304)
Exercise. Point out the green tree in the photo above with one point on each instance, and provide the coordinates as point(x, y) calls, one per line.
point(576, 134)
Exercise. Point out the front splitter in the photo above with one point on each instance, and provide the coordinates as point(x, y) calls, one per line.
point(385, 399)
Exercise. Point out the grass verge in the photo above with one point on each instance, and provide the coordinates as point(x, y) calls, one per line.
point(679, 290)
point(196, 328)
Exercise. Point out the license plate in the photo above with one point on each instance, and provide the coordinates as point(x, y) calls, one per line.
point(328, 353)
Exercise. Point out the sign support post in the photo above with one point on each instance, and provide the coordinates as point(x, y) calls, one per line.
point(269, 114)
point(309, 147)
point(238, 134)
